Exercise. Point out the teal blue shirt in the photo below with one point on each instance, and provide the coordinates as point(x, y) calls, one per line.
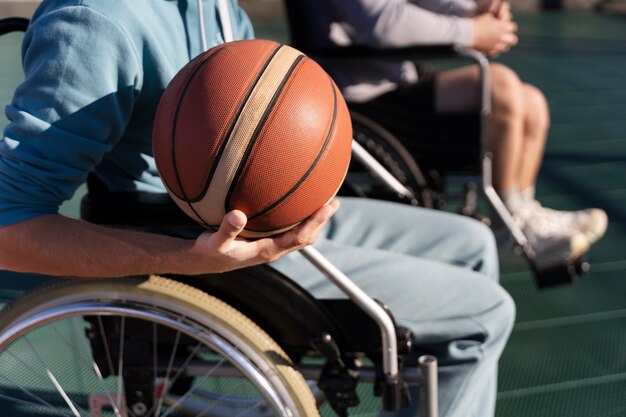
point(94, 73)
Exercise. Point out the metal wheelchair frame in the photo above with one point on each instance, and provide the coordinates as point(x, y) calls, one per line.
point(392, 381)
point(545, 275)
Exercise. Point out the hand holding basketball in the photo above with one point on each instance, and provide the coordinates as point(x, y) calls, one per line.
point(223, 250)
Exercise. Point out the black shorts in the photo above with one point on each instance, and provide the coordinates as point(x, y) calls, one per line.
point(418, 97)
point(441, 141)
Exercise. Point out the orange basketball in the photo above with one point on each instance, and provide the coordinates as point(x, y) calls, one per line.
point(256, 126)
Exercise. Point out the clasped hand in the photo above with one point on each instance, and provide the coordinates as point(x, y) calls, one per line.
point(494, 30)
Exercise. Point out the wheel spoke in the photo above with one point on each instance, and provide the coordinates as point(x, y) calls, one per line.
point(32, 404)
point(192, 389)
point(35, 397)
point(176, 376)
point(168, 371)
point(105, 342)
point(61, 391)
point(53, 379)
point(90, 362)
point(212, 406)
point(120, 362)
point(188, 359)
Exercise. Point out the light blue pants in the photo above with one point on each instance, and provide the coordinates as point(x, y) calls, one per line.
point(438, 273)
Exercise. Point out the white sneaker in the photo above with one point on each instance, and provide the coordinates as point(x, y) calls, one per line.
point(551, 237)
point(592, 222)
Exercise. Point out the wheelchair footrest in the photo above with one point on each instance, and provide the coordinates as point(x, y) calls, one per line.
point(566, 272)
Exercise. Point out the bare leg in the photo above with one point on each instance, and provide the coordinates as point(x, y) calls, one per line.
point(518, 129)
point(591, 222)
point(536, 124)
point(457, 90)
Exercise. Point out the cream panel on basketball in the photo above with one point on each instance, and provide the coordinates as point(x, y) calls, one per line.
point(211, 207)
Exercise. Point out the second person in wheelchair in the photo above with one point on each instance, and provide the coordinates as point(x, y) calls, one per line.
point(95, 70)
point(392, 94)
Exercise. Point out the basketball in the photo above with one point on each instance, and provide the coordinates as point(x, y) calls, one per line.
point(255, 126)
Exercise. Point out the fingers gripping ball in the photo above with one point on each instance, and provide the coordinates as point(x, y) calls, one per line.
point(255, 126)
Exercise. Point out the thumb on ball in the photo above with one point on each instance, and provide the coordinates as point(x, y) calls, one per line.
point(232, 224)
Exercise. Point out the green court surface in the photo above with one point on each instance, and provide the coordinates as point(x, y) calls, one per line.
point(567, 354)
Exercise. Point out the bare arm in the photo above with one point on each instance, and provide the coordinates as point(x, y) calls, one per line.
point(57, 245)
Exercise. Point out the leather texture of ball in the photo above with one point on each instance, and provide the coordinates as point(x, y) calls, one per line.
point(256, 126)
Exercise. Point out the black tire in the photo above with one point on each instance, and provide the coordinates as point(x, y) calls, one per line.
point(390, 152)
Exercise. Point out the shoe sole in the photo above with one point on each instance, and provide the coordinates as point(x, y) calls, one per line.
point(578, 246)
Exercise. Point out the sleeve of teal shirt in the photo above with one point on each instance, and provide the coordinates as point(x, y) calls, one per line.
point(81, 78)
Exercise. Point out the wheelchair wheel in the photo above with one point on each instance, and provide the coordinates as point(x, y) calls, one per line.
point(388, 150)
point(141, 347)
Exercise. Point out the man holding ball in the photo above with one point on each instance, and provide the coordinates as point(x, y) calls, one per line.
point(95, 70)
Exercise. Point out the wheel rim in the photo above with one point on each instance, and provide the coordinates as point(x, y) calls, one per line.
point(26, 369)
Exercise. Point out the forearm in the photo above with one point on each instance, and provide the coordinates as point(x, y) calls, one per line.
point(399, 23)
point(57, 245)
point(449, 7)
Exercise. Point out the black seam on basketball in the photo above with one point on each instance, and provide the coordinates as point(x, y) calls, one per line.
point(295, 223)
point(257, 130)
point(220, 152)
point(311, 168)
point(173, 132)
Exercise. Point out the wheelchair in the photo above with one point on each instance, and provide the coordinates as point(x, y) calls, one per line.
point(425, 173)
point(184, 346)
point(245, 343)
